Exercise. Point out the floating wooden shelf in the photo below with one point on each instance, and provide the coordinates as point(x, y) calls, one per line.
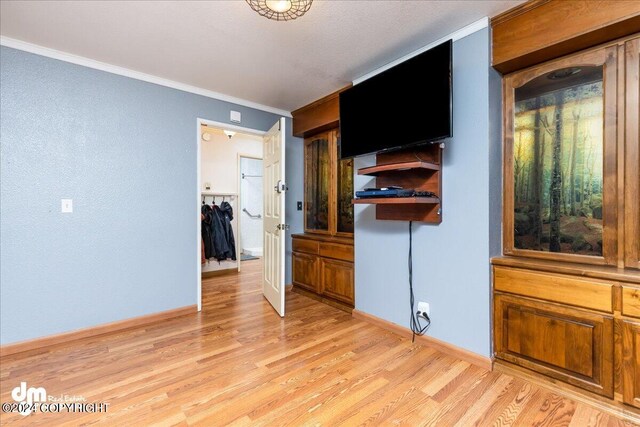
point(398, 167)
point(416, 168)
point(395, 200)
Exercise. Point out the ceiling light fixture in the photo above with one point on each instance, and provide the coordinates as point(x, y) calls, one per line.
point(280, 10)
point(229, 133)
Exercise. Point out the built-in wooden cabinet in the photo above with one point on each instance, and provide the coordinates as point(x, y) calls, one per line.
point(323, 267)
point(567, 292)
point(322, 259)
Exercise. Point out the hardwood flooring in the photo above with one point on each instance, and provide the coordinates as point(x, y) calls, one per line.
point(237, 363)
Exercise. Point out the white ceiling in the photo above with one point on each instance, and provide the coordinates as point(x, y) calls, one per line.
point(226, 47)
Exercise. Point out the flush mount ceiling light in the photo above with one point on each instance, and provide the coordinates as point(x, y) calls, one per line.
point(229, 133)
point(280, 10)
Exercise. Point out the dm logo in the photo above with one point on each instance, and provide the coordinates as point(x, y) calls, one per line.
point(29, 396)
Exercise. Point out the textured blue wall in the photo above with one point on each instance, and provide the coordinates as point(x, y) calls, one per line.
point(125, 152)
point(450, 261)
point(295, 181)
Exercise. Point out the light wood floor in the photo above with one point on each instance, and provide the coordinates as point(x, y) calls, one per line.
point(237, 363)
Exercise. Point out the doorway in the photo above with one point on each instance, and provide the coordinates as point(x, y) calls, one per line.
point(220, 153)
point(251, 206)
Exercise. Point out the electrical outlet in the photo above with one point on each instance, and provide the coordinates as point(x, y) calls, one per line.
point(66, 205)
point(423, 307)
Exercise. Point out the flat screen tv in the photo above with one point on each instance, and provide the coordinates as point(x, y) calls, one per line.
point(406, 105)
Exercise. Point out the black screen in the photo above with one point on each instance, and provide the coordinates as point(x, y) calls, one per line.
point(381, 114)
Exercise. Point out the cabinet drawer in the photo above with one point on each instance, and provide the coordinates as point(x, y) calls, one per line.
point(571, 345)
point(631, 301)
point(337, 279)
point(337, 251)
point(587, 293)
point(305, 271)
point(303, 245)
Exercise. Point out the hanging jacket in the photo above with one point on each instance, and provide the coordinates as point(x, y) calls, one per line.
point(221, 249)
point(207, 231)
point(227, 215)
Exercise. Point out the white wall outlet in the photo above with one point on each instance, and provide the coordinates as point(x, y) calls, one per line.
point(235, 116)
point(66, 205)
point(424, 308)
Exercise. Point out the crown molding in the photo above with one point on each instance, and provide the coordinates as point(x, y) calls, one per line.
point(121, 71)
point(456, 35)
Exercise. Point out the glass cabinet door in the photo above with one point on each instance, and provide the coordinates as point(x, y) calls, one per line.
point(559, 143)
point(317, 183)
point(345, 196)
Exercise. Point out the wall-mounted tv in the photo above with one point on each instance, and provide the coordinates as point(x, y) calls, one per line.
point(406, 105)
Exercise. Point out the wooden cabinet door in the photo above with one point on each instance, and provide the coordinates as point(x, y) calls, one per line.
point(631, 363)
point(337, 280)
point(571, 345)
point(632, 154)
point(560, 159)
point(305, 271)
point(318, 182)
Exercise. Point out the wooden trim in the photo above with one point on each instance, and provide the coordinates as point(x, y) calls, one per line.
point(321, 115)
point(567, 390)
point(319, 101)
point(632, 155)
point(93, 331)
point(529, 34)
point(582, 270)
point(444, 347)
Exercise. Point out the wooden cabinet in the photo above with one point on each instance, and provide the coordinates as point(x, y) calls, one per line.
point(572, 345)
point(323, 255)
point(323, 266)
point(567, 291)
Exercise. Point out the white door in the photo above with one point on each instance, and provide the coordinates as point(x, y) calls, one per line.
point(273, 206)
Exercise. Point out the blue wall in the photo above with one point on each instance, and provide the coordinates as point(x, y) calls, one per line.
point(450, 261)
point(125, 152)
point(295, 181)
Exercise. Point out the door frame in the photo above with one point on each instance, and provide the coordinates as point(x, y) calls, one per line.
point(198, 239)
point(246, 156)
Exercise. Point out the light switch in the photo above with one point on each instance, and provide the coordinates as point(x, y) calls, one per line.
point(235, 116)
point(66, 205)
